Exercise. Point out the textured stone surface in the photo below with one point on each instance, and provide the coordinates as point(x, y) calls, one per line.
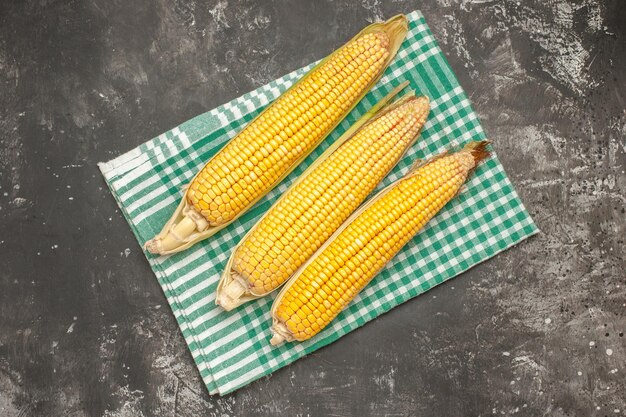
point(84, 327)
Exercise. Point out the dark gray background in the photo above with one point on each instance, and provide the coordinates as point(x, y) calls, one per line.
point(84, 326)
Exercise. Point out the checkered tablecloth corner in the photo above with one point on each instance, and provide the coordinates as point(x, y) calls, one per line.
point(232, 349)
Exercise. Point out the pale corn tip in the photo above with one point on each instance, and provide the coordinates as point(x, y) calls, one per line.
point(383, 38)
point(422, 105)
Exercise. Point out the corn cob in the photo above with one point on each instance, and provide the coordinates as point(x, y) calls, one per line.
point(311, 210)
point(272, 145)
point(366, 242)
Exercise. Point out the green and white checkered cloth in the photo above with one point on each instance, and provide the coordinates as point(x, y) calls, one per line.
point(231, 349)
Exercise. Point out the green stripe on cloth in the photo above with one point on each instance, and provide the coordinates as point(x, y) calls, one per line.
point(231, 349)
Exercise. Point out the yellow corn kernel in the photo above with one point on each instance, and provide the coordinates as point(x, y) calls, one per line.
point(317, 205)
point(265, 151)
point(376, 234)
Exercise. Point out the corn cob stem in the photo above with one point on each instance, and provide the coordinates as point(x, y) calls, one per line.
point(229, 296)
point(362, 246)
point(189, 224)
point(280, 334)
point(279, 138)
point(174, 238)
point(308, 212)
